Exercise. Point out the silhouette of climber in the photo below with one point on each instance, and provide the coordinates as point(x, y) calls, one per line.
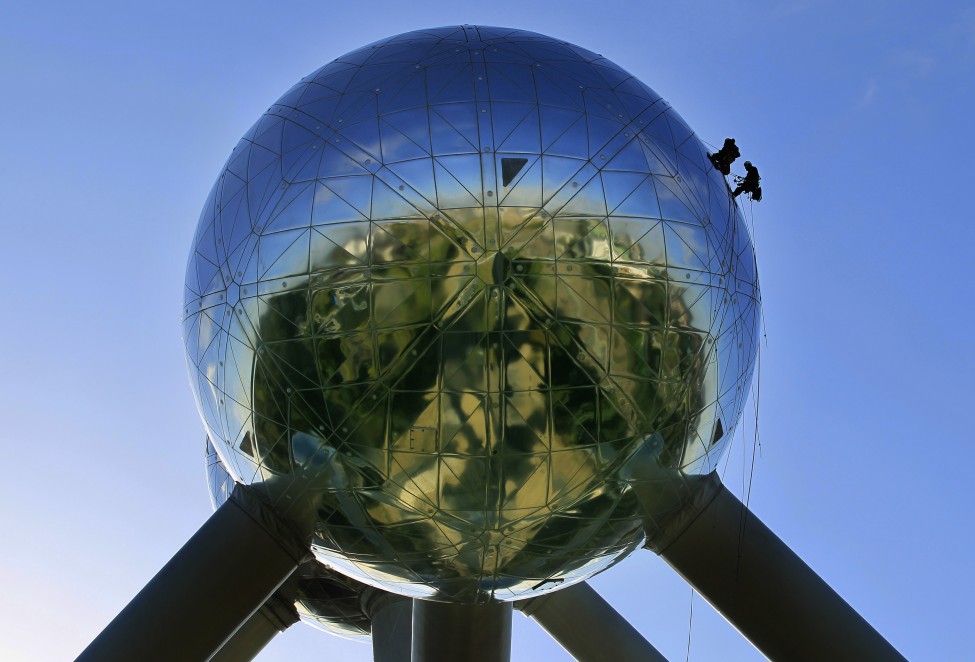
point(749, 183)
point(724, 157)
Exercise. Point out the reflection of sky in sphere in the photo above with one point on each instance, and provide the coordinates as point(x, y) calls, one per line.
point(454, 294)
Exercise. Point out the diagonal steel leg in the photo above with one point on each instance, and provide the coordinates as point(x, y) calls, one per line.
point(213, 584)
point(275, 616)
point(588, 627)
point(760, 585)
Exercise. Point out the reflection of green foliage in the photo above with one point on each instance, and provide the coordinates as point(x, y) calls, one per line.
point(670, 375)
point(345, 359)
point(589, 525)
point(371, 357)
point(272, 444)
point(583, 407)
point(458, 418)
point(284, 316)
point(520, 439)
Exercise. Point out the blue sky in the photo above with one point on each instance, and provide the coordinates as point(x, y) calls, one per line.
point(117, 118)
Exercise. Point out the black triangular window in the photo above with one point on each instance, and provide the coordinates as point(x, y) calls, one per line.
point(718, 432)
point(245, 444)
point(510, 168)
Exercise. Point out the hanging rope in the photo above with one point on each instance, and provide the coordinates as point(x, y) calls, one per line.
point(756, 440)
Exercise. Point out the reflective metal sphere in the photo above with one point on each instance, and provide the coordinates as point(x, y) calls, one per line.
point(450, 298)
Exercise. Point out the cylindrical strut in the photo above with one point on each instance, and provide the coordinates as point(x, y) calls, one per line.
point(588, 627)
point(762, 587)
point(391, 625)
point(225, 572)
point(449, 632)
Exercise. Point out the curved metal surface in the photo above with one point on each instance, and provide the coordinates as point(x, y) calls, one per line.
point(445, 293)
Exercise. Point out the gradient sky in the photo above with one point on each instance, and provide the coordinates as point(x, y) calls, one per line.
point(117, 118)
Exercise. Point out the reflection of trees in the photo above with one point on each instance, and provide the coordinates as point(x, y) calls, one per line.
point(668, 384)
point(662, 390)
point(346, 361)
point(353, 360)
point(650, 379)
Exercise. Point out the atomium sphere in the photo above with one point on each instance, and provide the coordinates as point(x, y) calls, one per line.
point(324, 599)
point(458, 299)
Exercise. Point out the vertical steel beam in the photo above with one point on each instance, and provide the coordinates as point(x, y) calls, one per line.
point(761, 586)
point(445, 632)
point(588, 627)
point(213, 584)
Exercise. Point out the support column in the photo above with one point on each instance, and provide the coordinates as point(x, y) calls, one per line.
point(225, 572)
point(391, 624)
point(588, 627)
point(445, 632)
point(761, 586)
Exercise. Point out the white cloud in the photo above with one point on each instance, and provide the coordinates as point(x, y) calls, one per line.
point(869, 92)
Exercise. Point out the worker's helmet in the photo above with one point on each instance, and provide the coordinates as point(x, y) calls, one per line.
point(748, 164)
